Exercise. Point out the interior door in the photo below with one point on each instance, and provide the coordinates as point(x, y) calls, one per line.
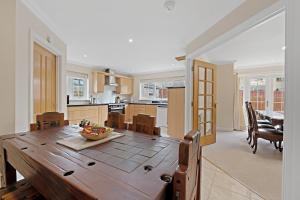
point(44, 81)
point(204, 98)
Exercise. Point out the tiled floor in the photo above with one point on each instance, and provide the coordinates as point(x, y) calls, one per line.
point(217, 185)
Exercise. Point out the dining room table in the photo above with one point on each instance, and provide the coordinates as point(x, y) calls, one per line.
point(134, 166)
point(276, 118)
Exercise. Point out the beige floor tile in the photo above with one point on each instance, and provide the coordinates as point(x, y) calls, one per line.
point(217, 185)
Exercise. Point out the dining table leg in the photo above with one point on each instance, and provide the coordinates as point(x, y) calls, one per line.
point(9, 174)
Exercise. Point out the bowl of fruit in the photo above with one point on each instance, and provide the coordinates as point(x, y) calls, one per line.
point(95, 132)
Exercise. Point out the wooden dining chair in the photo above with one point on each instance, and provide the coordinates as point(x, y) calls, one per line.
point(272, 135)
point(144, 124)
point(260, 123)
point(186, 182)
point(250, 128)
point(21, 190)
point(49, 120)
point(116, 120)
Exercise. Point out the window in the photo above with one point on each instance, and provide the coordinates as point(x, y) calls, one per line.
point(258, 93)
point(264, 92)
point(77, 86)
point(278, 94)
point(157, 90)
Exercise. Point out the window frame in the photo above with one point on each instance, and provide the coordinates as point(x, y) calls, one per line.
point(269, 94)
point(162, 83)
point(71, 76)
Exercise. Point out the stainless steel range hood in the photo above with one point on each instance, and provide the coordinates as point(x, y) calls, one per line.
point(110, 79)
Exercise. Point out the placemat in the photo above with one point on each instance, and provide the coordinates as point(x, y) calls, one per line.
point(78, 142)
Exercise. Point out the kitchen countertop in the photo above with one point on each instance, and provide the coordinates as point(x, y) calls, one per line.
point(146, 103)
point(101, 104)
point(78, 105)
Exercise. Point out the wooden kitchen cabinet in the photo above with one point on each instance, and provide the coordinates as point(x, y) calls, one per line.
point(135, 109)
point(125, 85)
point(138, 109)
point(98, 82)
point(103, 114)
point(94, 114)
point(176, 110)
point(78, 113)
point(151, 110)
point(128, 111)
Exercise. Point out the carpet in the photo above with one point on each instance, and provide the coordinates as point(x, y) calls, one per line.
point(261, 172)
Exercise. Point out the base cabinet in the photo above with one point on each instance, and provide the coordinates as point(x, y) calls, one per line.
point(135, 109)
point(94, 114)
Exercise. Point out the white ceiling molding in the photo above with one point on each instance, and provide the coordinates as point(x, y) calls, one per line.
point(40, 15)
point(273, 69)
point(243, 18)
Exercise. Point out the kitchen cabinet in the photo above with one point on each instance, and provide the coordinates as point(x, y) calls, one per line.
point(135, 109)
point(151, 110)
point(98, 82)
point(103, 114)
point(94, 114)
point(125, 85)
point(128, 111)
point(176, 111)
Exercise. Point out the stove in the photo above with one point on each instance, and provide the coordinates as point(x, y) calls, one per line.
point(116, 107)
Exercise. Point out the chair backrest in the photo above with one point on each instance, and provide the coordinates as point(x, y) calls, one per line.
point(144, 124)
point(49, 120)
point(116, 120)
point(248, 114)
point(253, 118)
point(186, 183)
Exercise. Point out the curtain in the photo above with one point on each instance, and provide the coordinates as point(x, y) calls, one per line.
point(239, 120)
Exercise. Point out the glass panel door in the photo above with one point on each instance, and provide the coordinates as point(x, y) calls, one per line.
point(204, 108)
point(258, 93)
point(278, 94)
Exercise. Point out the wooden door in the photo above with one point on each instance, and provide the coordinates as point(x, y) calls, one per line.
point(204, 98)
point(44, 81)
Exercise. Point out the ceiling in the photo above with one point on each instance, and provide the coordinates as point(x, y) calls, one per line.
point(97, 32)
point(258, 47)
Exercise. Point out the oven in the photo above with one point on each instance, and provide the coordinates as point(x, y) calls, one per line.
point(116, 107)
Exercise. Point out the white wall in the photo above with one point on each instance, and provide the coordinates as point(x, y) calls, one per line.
point(26, 24)
point(291, 175)
point(161, 75)
point(225, 97)
point(7, 65)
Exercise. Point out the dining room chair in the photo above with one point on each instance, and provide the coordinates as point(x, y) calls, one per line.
point(270, 134)
point(116, 120)
point(144, 124)
point(49, 120)
point(260, 123)
point(20, 190)
point(186, 180)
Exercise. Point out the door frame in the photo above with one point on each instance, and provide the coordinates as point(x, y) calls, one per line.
point(45, 43)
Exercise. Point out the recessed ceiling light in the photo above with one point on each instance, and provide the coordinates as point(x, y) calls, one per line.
point(130, 40)
point(283, 48)
point(85, 56)
point(170, 5)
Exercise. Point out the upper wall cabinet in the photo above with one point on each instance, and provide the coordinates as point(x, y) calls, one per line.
point(125, 85)
point(98, 82)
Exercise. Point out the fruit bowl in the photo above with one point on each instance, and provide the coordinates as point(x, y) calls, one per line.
point(91, 133)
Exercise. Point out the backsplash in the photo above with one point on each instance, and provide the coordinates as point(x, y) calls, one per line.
point(109, 95)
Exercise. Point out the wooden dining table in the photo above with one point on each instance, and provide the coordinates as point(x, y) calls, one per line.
point(276, 118)
point(134, 166)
